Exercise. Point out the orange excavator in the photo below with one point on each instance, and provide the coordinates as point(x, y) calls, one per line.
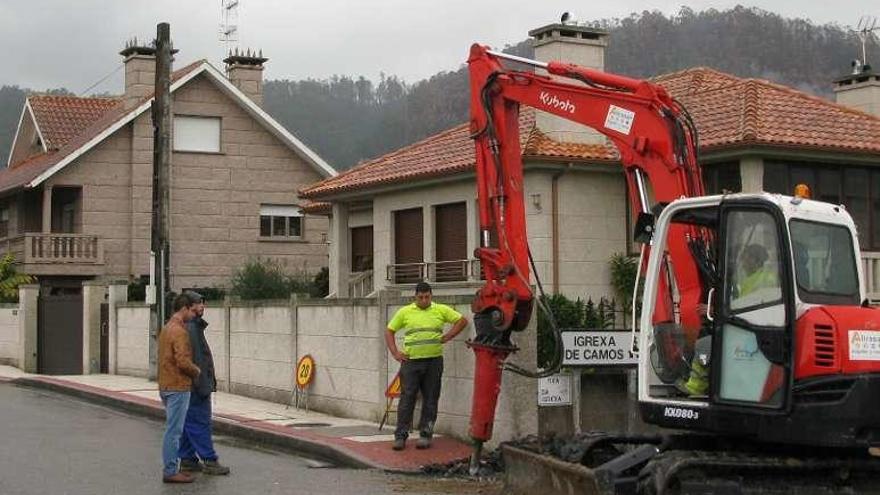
point(755, 336)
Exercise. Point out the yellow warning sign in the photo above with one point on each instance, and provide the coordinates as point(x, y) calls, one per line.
point(305, 371)
point(393, 389)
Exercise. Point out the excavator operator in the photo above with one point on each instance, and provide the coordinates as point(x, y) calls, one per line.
point(755, 276)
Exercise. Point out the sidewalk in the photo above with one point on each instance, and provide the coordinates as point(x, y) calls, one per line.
point(348, 442)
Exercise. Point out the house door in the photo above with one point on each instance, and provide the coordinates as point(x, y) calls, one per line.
point(60, 334)
point(105, 338)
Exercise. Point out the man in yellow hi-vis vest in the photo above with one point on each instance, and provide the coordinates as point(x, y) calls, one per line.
point(421, 362)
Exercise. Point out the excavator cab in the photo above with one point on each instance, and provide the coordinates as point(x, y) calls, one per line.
point(764, 261)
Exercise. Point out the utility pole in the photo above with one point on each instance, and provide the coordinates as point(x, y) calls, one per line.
point(160, 259)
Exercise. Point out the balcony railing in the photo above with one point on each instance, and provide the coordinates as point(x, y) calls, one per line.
point(871, 269)
point(434, 271)
point(361, 284)
point(52, 248)
point(63, 248)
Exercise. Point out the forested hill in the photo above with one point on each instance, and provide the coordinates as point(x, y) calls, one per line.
point(349, 119)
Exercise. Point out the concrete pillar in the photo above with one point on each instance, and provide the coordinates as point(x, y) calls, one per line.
point(47, 209)
point(94, 293)
point(473, 234)
point(28, 296)
point(340, 251)
point(751, 170)
point(118, 293)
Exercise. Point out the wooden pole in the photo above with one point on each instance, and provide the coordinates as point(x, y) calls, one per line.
point(161, 113)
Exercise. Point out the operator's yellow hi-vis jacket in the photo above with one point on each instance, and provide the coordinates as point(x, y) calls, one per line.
point(760, 279)
point(424, 328)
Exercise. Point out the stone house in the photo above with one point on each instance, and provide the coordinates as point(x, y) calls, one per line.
point(76, 196)
point(412, 214)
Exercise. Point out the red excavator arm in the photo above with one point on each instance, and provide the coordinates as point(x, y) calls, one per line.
point(657, 145)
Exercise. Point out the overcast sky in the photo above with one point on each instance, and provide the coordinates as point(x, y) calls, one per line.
point(74, 43)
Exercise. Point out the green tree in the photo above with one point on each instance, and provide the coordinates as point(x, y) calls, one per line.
point(10, 279)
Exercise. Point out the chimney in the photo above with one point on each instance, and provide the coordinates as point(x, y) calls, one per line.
point(573, 43)
point(245, 71)
point(860, 89)
point(140, 71)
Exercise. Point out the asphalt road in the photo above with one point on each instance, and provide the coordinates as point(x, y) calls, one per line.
point(54, 444)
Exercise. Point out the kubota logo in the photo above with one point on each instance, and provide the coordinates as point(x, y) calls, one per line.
point(554, 101)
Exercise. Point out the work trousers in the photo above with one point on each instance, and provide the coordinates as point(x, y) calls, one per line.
point(196, 438)
point(419, 376)
point(176, 404)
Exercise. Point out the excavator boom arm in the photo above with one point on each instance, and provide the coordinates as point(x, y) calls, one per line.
point(657, 145)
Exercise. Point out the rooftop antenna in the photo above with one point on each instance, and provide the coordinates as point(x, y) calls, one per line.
point(229, 23)
point(866, 29)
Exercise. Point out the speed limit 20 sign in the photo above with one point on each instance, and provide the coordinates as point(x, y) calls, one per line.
point(305, 371)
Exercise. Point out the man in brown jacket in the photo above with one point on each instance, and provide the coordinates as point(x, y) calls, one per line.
point(176, 374)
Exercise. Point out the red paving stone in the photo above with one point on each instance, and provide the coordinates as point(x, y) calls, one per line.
point(376, 454)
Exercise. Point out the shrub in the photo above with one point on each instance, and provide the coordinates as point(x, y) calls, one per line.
point(321, 283)
point(570, 315)
point(261, 278)
point(266, 279)
point(624, 270)
point(137, 289)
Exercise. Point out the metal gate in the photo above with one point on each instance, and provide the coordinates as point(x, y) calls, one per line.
point(60, 335)
point(105, 338)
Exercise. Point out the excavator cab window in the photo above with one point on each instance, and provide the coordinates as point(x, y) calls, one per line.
point(825, 266)
point(748, 349)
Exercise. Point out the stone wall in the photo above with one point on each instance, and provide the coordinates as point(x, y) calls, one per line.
point(132, 339)
point(256, 347)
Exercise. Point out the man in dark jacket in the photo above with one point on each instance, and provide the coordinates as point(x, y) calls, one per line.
point(196, 442)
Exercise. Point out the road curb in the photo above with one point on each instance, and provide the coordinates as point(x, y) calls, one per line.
point(144, 407)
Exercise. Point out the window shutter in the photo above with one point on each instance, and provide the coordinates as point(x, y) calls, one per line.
point(408, 245)
point(451, 242)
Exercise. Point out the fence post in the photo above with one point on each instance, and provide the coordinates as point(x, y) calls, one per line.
point(294, 338)
point(118, 294)
point(28, 295)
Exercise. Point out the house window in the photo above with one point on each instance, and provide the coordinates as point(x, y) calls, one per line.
point(281, 222)
point(197, 134)
point(857, 188)
point(722, 177)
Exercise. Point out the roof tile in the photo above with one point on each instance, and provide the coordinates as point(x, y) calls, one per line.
point(27, 170)
point(728, 111)
point(60, 118)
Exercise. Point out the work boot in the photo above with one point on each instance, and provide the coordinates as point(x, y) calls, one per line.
point(178, 477)
point(190, 465)
point(215, 468)
point(399, 444)
point(423, 443)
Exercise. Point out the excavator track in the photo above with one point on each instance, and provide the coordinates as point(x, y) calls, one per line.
point(742, 473)
point(714, 465)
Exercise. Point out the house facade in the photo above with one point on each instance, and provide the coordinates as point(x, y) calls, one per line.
point(412, 214)
point(76, 197)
